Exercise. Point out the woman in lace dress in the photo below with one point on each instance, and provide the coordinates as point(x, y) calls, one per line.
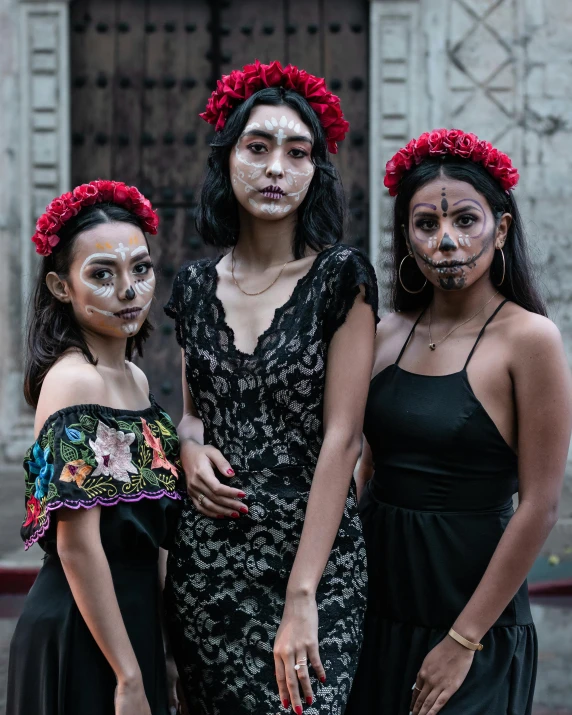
point(265, 589)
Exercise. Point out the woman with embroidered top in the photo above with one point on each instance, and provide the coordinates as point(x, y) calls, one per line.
point(265, 589)
point(101, 478)
point(469, 403)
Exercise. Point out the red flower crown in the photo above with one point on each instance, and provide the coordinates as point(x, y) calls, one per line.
point(239, 85)
point(456, 143)
point(96, 192)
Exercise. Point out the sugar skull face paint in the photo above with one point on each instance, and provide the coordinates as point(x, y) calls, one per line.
point(452, 233)
point(271, 167)
point(111, 281)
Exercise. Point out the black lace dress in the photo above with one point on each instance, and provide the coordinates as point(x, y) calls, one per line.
point(226, 579)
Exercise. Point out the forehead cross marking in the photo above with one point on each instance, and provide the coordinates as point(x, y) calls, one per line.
point(122, 250)
point(280, 136)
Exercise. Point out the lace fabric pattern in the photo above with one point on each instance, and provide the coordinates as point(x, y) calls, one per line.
point(226, 579)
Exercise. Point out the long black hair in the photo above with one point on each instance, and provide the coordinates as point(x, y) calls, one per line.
point(321, 215)
point(52, 326)
point(519, 284)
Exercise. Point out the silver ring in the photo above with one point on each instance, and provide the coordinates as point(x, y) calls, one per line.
point(202, 497)
point(300, 663)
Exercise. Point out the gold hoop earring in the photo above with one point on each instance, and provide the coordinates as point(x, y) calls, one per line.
point(503, 267)
point(413, 292)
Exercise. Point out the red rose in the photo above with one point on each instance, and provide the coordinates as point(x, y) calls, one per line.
point(466, 144)
point(48, 223)
point(87, 194)
point(60, 209)
point(436, 142)
point(272, 74)
point(106, 189)
point(481, 151)
point(450, 140)
point(421, 147)
point(45, 242)
point(135, 196)
point(120, 193)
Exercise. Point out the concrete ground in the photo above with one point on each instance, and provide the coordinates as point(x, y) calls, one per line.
point(553, 616)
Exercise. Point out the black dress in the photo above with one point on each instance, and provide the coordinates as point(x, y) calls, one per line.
point(433, 514)
point(226, 579)
point(127, 462)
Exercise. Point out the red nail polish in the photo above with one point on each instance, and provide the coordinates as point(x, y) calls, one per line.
point(230, 472)
point(309, 700)
point(235, 515)
point(285, 703)
point(243, 510)
point(241, 495)
point(323, 679)
point(298, 710)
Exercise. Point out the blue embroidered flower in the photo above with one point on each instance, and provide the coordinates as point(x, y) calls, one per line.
point(74, 435)
point(45, 472)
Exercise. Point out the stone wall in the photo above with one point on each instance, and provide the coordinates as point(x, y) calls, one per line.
point(34, 167)
point(503, 70)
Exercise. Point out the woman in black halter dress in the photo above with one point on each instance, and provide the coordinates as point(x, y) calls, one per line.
point(469, 404)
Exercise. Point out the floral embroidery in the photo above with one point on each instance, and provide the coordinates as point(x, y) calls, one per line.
point(86, 458)
point(32, 511)
point(159, 459)
point(39, 466)
point(112, 453)
point(77, 471)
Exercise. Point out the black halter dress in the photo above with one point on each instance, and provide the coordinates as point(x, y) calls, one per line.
point(433, 515)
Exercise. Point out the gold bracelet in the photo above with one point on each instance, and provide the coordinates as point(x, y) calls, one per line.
point(464, 642)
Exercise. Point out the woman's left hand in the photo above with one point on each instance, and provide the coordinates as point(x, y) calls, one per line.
point(296, 640)
point(442, 673)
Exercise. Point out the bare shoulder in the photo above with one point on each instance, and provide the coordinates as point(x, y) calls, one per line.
point(140, 377)
point(70, 381)
point(392, 332)
point(534, 339)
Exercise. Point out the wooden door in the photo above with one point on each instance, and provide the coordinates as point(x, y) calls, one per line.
point(142, 70)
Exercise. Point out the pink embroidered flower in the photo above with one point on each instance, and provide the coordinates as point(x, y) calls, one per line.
point(160, 461)
point(112, 453)
point(33, 508)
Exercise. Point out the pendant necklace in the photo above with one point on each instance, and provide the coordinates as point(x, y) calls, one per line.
point(232, 265)
point(433, 345)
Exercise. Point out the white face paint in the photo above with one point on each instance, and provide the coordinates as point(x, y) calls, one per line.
point(271, 166)
point(111, 264)
point(464, 240)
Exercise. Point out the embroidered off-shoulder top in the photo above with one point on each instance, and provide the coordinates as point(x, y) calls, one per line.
point(89, 455)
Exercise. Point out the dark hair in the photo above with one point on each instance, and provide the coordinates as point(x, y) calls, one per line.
point(320, 216)
point(52, 326)
point(519, 284)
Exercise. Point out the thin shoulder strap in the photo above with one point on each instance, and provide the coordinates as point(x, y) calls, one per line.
point(483, 331)
point(406, 343)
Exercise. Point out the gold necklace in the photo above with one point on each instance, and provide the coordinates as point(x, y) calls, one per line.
point(433, 345)
point(232, 265)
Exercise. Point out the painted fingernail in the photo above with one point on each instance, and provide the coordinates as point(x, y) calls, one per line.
point(309, 700)
point(235, 515)
point(323, 679)
point(230, 472)
point(298, 710)
point(285, 703)
point(243, 510)
point(241, 495)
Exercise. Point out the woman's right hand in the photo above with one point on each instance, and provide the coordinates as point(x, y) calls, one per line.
point(130, 698)
point(208, 494)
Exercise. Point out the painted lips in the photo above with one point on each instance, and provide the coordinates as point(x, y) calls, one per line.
point(272, 192)
point(128, 313)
